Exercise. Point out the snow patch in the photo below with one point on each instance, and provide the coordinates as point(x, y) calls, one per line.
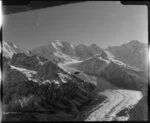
point(72, 46)
point(56, 82)
point(110, 55)
point(15, 46)
point(106, 61)
point(118, 62)
point(59, 43)
point(54, 45)
point(28, 73)
point(63, 77)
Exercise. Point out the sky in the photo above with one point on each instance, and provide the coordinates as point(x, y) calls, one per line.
point(105, 23)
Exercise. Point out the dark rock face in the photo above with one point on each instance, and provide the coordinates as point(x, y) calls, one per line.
point(85, 52)
point(82, 51)
point(13, 81)
point(25, 61)
point(94, 49)
point(67, 49)
point(104, 55)
point(5, 61)
point(49, 71)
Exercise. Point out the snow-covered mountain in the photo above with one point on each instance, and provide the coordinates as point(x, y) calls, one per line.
point(133, 53)
point(9, 49)
point(56, 51)
point(60, 51)
point(32, 82)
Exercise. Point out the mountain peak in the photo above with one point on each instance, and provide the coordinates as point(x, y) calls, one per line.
point(93, 45)
point(9, 49)
point(132, 42)
point(135, 41)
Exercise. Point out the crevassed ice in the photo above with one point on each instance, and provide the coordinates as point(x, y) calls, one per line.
point(117, 101)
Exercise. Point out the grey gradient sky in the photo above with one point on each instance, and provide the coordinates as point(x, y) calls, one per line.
point(103, 23)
